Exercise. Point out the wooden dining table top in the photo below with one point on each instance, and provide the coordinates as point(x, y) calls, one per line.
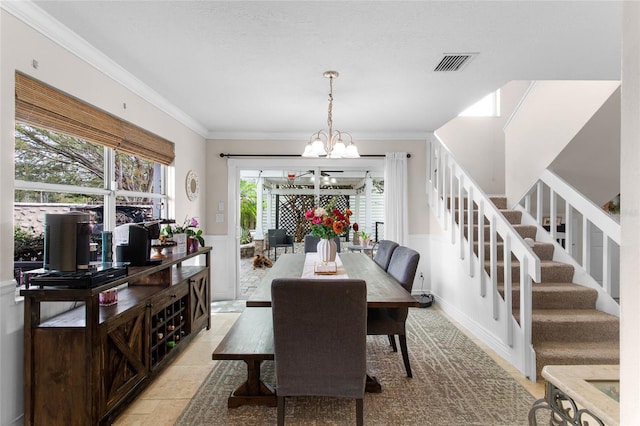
point(383, 291)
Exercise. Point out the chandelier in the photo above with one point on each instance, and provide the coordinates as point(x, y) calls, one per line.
point(329, 142)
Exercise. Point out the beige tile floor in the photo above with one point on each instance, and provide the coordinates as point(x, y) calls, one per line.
point(167, 396)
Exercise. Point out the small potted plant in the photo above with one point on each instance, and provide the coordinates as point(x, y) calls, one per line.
point(187, 232)
point(366, 239)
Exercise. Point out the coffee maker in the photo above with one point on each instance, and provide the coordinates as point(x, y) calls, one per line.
point(133, 242)
point(66, 241)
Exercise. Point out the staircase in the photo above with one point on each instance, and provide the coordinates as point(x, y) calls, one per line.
point(566, 327)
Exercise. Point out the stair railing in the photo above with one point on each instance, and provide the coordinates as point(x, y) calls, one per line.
point(582, 220)
point(453, 194)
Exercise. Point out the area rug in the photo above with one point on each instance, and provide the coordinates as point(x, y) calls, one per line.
point(454, 383)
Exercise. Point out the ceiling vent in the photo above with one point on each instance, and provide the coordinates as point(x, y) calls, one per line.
point(454, 61)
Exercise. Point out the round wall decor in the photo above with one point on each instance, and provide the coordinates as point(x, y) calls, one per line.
point(192, 185)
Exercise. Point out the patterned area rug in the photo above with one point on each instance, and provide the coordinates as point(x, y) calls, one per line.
point(454, 383)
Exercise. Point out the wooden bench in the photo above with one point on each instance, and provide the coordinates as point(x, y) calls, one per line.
point(250, 339)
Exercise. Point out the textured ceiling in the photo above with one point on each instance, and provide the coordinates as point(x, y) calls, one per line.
point(254, 69)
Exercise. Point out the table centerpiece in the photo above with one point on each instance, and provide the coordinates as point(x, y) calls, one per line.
point(326, 224)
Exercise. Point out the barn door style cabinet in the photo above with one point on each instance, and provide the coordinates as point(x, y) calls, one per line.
point(82, 367)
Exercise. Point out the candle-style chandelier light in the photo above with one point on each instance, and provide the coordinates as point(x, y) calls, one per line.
point(329, 142)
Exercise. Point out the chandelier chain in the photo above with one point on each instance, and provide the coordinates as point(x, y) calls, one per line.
point(330, 112)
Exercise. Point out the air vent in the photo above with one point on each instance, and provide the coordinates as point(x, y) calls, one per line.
point(454, 61)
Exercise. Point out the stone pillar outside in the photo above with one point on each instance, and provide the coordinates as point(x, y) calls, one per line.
point(259, 245)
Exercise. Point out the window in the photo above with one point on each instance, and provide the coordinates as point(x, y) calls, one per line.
point(489, 106)
point(58, 173)
point(70, 156)
point(49, 157)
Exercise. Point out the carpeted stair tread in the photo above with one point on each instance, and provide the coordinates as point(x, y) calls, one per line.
point(573, 325)
point(543, 250)
point(499, 202)
point(525, 231)
point(550, 271)
point(570, 353)
point(588, 350)
point(514, 217)
point(556, 296)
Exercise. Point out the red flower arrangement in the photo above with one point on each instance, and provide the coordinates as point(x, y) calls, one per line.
point(328, 222)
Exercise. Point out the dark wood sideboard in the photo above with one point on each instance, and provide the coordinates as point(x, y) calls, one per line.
point(82, 367)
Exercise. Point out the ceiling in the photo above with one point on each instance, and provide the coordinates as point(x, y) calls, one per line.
point(246, 70)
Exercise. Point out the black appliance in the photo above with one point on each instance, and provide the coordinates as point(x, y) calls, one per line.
point(66, 241)
point(134, 243)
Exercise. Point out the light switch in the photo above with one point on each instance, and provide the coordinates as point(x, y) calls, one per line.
point(220, 206)
point(219, 217)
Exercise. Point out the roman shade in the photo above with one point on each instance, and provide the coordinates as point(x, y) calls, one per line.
point(43, 106)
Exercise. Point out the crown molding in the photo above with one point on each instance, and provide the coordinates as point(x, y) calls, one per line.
point(304, 138)
point(29, 13)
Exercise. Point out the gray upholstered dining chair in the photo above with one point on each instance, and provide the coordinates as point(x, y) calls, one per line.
point(311, 243)
point(392, 321)
point(319, 334)
point(383, 253)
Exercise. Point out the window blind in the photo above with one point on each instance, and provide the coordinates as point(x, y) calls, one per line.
point(41, 105)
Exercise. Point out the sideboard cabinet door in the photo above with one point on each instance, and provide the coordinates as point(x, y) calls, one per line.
point(200, 301)
point(125, 355)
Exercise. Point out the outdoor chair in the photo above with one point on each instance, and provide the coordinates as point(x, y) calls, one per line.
point(319, 335)
point(279, 238)
point(384, 251)
point(391, 321)
point(311, 243)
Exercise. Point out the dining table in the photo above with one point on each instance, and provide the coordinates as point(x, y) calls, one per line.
point(250, 339)
point(383, 291)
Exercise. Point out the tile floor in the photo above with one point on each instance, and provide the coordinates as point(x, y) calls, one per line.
point(167, 396)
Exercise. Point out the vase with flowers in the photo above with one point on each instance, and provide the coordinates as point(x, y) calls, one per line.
point(192, 234)
point(326, 224)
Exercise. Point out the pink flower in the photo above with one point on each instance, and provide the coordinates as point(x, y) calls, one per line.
point(309, 214)
point(194, 222)
point(317, 220)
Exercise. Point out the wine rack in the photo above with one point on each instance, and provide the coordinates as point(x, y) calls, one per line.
point(168, 328)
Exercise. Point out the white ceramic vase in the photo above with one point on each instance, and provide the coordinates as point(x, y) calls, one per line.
point(327, 250)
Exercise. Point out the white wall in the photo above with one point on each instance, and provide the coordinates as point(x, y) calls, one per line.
point(20, 45)
point(630, 219)
point(548, 119)
point(478, 143)
point(591, 161)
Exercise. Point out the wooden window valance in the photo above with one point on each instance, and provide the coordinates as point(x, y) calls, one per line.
point(43, 106)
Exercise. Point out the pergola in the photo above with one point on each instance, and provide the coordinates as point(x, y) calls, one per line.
point(290, 193)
